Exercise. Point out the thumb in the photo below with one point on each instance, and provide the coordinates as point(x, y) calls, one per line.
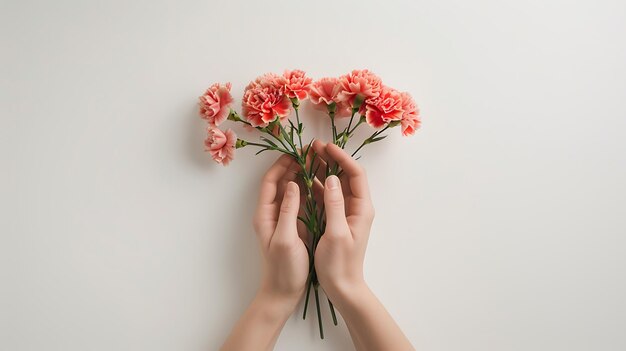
point(336, 223)
point(288, 216)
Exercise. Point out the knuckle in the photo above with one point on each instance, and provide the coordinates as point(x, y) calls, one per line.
point(337, 231)
point(280, 245)
point(337, 204)
point(335, 201)
point(286, 207)
point(337, 236)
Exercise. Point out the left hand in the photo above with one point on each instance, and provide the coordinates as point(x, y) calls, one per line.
point(285, 257)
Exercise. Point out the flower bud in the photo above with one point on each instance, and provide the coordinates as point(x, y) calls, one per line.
point(232, 116)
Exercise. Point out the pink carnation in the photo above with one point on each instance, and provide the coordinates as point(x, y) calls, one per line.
point(221, 145)
point(297, 84)
point(359, 83)
point(385, 108)
point(215, 104)
point(326, 91)
point(264, 100)
point(410, 117)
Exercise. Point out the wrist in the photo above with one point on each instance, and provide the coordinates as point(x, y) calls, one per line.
point(277, 305)
point(342, 293)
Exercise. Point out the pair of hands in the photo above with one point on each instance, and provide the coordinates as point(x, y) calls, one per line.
point(341, 250)
point(338, 257)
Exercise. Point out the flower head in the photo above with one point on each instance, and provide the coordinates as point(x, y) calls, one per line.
point(221, 145)
point(385, 108)
point(410, 116)
point(359, 85)
point(325, 92)
point(215, 103)
point(264, 99)
point(297, 84)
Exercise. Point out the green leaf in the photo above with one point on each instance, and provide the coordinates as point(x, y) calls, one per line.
point(312, 163)
point(378, 139)
point(269, 141)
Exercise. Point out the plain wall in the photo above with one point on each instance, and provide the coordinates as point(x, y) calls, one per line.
point(501, 225)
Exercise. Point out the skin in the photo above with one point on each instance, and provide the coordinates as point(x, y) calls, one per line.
point(338, 258)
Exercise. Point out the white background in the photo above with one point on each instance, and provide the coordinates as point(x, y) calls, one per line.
point(501, 225)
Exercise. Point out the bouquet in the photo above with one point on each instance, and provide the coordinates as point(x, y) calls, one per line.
point(359, 98)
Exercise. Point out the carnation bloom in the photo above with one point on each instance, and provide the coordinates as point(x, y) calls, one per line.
point(385, 108)
point(410, 116)
point(215, 103)
point(326, 91)
point(264, 100)
point(221, 145)
point(359, 83)
point(297, 84)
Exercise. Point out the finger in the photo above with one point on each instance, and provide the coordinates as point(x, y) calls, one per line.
point(318, 191)
point(355, 173)
point(269, 184)
point(303, 233)
point(291, 175)
point(320, 149)
point(286, 228)
point(318, 196)
point(336, 223)
point(313, 156)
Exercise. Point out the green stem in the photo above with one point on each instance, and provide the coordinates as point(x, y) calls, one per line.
point(270, 147)
point(257, 144)
point(369, 140)
point(308, 292)
point(313, 227)
point(349, 133)
point(319, 314)
point(299, 131)
point(351, 118)
point(334, 128)
point(289, 141)
point(280, 140)
point(332, 311)
point(361, 121)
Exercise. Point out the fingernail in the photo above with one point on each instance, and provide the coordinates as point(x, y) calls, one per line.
point(292, 188)
point(332, 182)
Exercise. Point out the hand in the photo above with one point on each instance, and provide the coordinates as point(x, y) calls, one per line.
point(285, 261)
point(285, 257)
point(349, 214)
point(340, 253)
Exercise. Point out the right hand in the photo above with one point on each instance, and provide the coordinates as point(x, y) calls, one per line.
point(340, 252)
